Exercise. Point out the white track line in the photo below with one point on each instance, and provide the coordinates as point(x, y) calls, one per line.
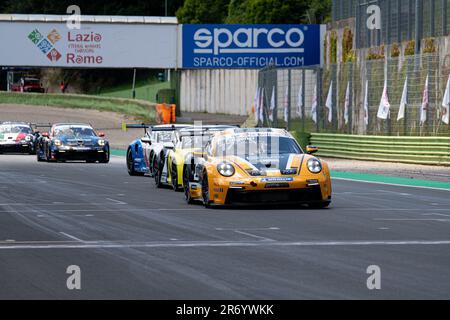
point(196, 244)
point(71, 237)
point(253, 235)
point(390, 184)
point(116, 201)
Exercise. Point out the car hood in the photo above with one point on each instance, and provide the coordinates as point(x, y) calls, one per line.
point(270, 162)
point(77, 140)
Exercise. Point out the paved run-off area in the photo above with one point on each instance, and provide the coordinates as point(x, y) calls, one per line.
point(132, 240)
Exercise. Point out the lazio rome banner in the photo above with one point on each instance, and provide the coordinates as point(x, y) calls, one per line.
point(95, 45)
point(251, 46)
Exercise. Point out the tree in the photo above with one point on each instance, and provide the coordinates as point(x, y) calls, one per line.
point(203, 11)
point(278, 11)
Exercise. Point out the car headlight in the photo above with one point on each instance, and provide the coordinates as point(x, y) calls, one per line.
point(57, 142)
point(101, 142)
point(226, 169)
point(314, 165)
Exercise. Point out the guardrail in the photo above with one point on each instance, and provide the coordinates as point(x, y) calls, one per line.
point(417, 150)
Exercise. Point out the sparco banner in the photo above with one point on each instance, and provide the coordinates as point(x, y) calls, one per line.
point(95, 45)
point(251, 46)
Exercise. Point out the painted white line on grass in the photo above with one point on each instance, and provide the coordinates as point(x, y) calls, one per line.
point(118, 245)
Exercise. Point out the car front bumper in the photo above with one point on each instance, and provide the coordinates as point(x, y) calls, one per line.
point(81, 154)
point(17, 147)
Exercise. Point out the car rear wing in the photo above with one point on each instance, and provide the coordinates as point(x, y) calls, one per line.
point(36, 126)
point(156, 128)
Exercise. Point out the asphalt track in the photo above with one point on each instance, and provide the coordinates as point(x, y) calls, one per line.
point(133, 241)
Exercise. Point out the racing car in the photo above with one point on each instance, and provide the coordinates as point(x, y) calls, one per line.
point(169, 163)
point(257, 166)
point(17, 137)
point(141, 153)
point(72, 141)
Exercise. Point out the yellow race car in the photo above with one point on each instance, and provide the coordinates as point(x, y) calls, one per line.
point(256, 166)
point(169, 164)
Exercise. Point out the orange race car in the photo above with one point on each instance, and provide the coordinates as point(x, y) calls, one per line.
point(256, 166)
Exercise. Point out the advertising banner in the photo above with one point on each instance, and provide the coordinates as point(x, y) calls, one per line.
point(95, 45)
point(251, 46)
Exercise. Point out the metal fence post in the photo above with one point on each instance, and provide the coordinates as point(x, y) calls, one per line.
point(432, 17)
point(319, 98)
point(444, 17)
point(303, 99)
point(289, 100)
point(418, 25)
point(350, 100)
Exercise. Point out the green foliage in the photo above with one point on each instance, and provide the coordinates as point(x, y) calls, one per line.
point(203, 11)
point(395, 51)
point(429, 46)
point(410, 48)
point(376, 53)
point(140, 109)
point(348, 54)
point(98, 7)
point(333, 46)
point(278, 11)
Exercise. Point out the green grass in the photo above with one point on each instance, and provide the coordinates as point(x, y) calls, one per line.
point(141, 110)
point(145, 90)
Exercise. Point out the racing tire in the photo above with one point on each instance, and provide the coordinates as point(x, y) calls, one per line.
point(39, 159)
point(48, 158)
point(151, 162)
point(158, 168)
point(205, 191)
point(187, 190)
point(105, 158)
point(130, 166)
point(174, 176)
point(319, 205)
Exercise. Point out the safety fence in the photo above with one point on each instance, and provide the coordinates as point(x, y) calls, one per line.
point(419, 150)
point(358, 98)
point(400, 19)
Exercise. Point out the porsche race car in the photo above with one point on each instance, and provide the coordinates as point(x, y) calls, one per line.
point(141, 153)
point(72, 141)
point(169, 163)
point(257, 166)
point(17, 137)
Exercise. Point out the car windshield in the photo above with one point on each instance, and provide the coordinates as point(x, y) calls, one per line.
point(197, 141)
point(256, 145)
point(74, 131)
point(8, 128)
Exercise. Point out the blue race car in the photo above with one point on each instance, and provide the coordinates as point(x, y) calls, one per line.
point(142, 152)
point(72, 141)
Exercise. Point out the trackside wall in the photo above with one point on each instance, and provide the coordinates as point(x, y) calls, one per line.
point(223, 91)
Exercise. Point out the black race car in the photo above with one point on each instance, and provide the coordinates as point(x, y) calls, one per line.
point(17, 137)
point(72, 141)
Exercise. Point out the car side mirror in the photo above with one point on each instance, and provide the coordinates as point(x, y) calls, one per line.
point(146, 140)
point(101, 134)
point(45, 134)
point(311, 149)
